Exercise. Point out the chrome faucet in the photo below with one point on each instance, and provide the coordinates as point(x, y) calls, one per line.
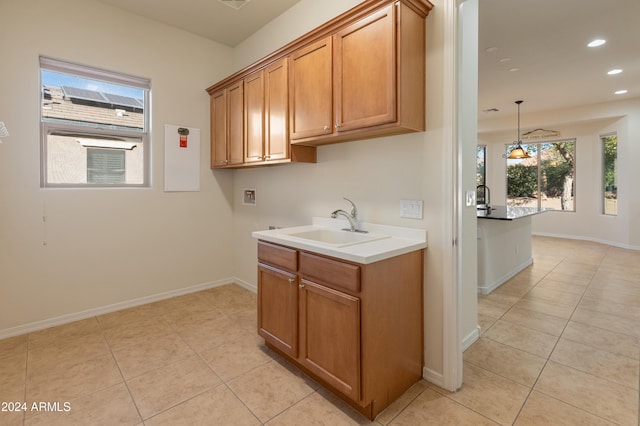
point(351, 217)
point(487, 198)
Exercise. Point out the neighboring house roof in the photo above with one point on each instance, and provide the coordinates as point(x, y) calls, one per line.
point(56, 105)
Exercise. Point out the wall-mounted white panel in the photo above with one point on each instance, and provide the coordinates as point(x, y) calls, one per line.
point(181, 158)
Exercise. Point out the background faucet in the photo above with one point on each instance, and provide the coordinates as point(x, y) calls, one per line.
point(486, 205)
point(351, 217)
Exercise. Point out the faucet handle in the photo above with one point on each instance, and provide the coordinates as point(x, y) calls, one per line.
point(354, 209)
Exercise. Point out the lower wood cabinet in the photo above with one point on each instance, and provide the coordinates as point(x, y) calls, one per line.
point(355, 328)
point(278, 308)
point(330, 327)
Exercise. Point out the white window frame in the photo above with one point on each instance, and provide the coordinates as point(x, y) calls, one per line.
point(50, 126)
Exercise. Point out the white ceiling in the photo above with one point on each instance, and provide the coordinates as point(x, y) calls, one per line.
point(209, 18)
point(545, 39)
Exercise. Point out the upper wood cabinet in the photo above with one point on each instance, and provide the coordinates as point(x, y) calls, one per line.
point(310, 91)
point(250, 121)
point(276, 101)
point(219, 128)
point(227, 126)
point(254, 117)
point(377, 79)
point(364, 67)
point(360, 75)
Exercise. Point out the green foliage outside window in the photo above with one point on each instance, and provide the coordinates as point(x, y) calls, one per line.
point(544, 180)
point(522, 181)
point(610, 158)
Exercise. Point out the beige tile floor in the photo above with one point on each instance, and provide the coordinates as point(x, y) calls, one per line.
point(559, 346)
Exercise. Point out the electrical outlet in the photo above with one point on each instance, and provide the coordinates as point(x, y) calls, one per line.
point(411, 209)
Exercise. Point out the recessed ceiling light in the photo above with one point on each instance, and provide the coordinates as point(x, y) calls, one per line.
point(597, 42)
point(514, 69)
point(491, 49)
point(621, 92)
point(505, 60)
point(614, 71)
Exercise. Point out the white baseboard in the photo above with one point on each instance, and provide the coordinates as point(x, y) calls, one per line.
point(595, 240)
point(435, 377)
point(489, 287)
point(471, 338)
point(246, 285)
point(432, 376)
point(65, 319)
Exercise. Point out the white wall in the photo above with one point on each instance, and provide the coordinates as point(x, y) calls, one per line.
point(375, 173)
point(586, 124)
point(111, 246)
point(104, 246)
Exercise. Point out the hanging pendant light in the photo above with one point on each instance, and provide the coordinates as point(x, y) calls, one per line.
point(518, 152)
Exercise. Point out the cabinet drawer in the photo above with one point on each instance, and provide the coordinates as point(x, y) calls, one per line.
point(275, 255)
point(330, 272)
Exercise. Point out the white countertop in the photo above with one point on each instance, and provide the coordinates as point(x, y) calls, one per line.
point(392, 240)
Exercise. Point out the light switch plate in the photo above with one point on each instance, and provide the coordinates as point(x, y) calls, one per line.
point(411, 209)
point(471, 198)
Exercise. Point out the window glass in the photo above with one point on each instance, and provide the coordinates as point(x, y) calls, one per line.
point(94, 126)
point(546, 179)
point(522, 178)
point(105, 165)
point(609, 174)
point(481, 174)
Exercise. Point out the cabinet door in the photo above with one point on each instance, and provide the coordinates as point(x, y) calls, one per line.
point(276, 99)
point(254, 117)
point(278, 308)
point(219, 129)
point(365, 72)
point(235, 123)
point(330, 332)
point(310, 91)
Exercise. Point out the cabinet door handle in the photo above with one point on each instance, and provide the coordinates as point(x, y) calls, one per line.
point(337, 126)
point(325, 128)
point(292, 280)
point(300, 285)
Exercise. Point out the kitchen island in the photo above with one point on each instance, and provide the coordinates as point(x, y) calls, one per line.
point(504, 244)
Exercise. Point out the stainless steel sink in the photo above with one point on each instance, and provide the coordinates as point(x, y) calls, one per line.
point(336, 237)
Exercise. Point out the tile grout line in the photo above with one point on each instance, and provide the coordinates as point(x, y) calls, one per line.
point(26, 376)
point(548, 358)
point(197, 353)
point(124, 380)
point(405, 407)
point(554, 348)
point(223, 382)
